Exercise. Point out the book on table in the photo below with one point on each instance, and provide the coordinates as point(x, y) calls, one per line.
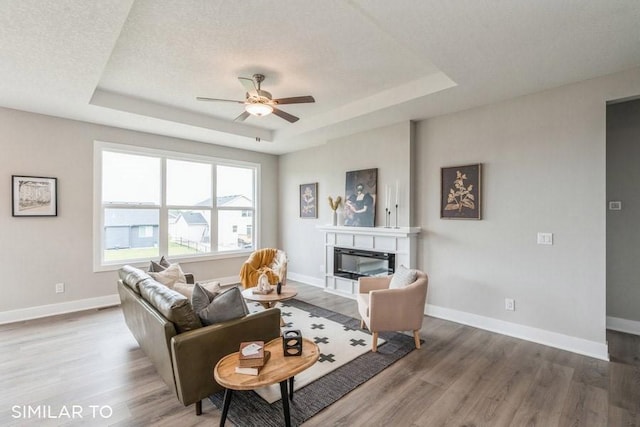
point(253, 370)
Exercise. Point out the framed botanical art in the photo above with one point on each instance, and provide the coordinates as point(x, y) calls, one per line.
point(461, 191)
point(309, 200)
point(360, 198)
point(34, 196)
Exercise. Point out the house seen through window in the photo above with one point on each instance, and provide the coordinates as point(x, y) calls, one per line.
point(157, 203)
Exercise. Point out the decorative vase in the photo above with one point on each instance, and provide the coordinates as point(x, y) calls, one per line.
point(334, 220)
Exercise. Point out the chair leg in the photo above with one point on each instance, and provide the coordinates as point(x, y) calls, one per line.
point(416, 337)
point(199, 407)
point(361, 323)
point(375, 342)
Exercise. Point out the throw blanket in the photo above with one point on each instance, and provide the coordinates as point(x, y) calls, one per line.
point(259, 262)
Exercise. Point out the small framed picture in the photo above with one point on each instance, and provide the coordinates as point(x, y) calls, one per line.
point(461, 192)
point(34, 196)
point(309, 200)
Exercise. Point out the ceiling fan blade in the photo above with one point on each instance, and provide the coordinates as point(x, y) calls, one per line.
point(242, 117)
point(249, 86)
point(288, 117)
point(200, 98)
point(294, 100)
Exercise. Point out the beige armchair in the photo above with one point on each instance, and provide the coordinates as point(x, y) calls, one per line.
point(384, 309)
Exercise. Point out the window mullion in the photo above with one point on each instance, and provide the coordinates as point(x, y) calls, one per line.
point(163, 227)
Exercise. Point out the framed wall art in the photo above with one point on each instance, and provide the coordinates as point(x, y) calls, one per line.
point(360, 198)
point(34, 196)
point(309, 200)
point(461, 192)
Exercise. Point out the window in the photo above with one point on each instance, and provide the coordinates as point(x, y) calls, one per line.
point(153, 203)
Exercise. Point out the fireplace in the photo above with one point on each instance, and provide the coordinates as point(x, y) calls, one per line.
point(354, 263)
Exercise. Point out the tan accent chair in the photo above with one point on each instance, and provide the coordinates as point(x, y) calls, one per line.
point(384, 309)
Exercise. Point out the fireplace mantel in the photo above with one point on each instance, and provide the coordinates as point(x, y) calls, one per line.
point(400, 241)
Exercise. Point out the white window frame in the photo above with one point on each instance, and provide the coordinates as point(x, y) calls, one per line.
point(99, 208)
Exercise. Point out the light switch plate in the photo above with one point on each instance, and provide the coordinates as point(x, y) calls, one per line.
point(615, 205)
point(545, 238)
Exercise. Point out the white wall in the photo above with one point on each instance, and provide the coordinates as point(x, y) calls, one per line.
point(36, 253)
point(544, 171)
point(387, 149)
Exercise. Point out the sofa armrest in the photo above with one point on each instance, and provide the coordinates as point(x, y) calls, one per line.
point(367, 284)
point(195, 353)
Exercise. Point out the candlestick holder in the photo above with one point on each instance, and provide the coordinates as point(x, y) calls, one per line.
point(397, 216)
point(386, 217)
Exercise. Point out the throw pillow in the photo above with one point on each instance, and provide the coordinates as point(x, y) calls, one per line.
point(170, 276)
point(155, 267)
point(164, 262)
point(218, 307)
point(402, 277)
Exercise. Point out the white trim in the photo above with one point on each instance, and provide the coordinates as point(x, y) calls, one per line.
point(99, 147)
point(340, 294)
point(60, 308)
point(309, 280)
point(553, 339)
point(623, 325)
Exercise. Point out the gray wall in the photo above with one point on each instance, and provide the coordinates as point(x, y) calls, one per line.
point(387, 149)
point(38, 252)
point(623, 233)
point(544, 171)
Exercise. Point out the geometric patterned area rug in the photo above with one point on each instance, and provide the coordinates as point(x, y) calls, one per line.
point(249, 409)
point(338, 343)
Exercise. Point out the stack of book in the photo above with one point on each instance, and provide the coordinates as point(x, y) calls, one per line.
point(252, 357)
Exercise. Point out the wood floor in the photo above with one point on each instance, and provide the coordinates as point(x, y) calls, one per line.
point(460, 377)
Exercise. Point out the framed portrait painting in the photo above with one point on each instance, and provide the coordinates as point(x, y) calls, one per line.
point(360, 198)
point(461, 191)
point(309, 200)
point(34, 196)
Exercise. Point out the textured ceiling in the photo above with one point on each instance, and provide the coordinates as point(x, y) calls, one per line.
point(140, 64)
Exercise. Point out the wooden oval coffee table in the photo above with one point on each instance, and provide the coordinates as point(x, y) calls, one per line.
point(278, 369)
point(271, 299)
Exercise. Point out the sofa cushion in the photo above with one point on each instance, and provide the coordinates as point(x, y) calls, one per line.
point(170, 276)
point(402, 277)
point(132, 276)
point(171, 304)
point(217, 307)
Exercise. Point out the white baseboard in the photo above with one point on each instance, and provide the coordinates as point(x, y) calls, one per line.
point(540, 336)
point(60, 308)
point(308, 280)
point(623, 325)
point(340, 294)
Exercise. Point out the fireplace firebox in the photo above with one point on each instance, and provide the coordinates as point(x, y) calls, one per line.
point(354, 263)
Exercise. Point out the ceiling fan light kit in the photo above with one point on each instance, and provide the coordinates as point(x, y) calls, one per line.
point(259, 102)
point(258, 109)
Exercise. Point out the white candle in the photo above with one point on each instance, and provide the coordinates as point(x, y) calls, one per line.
point(397, 188)
point(386, 198)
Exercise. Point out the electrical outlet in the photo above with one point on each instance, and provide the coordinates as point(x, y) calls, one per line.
point(545, 238)
point(510, 304)
point(59, 288)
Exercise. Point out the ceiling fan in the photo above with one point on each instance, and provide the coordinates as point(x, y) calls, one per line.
point(260, 103)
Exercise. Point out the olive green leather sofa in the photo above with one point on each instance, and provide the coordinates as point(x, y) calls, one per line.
point(171, 335)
